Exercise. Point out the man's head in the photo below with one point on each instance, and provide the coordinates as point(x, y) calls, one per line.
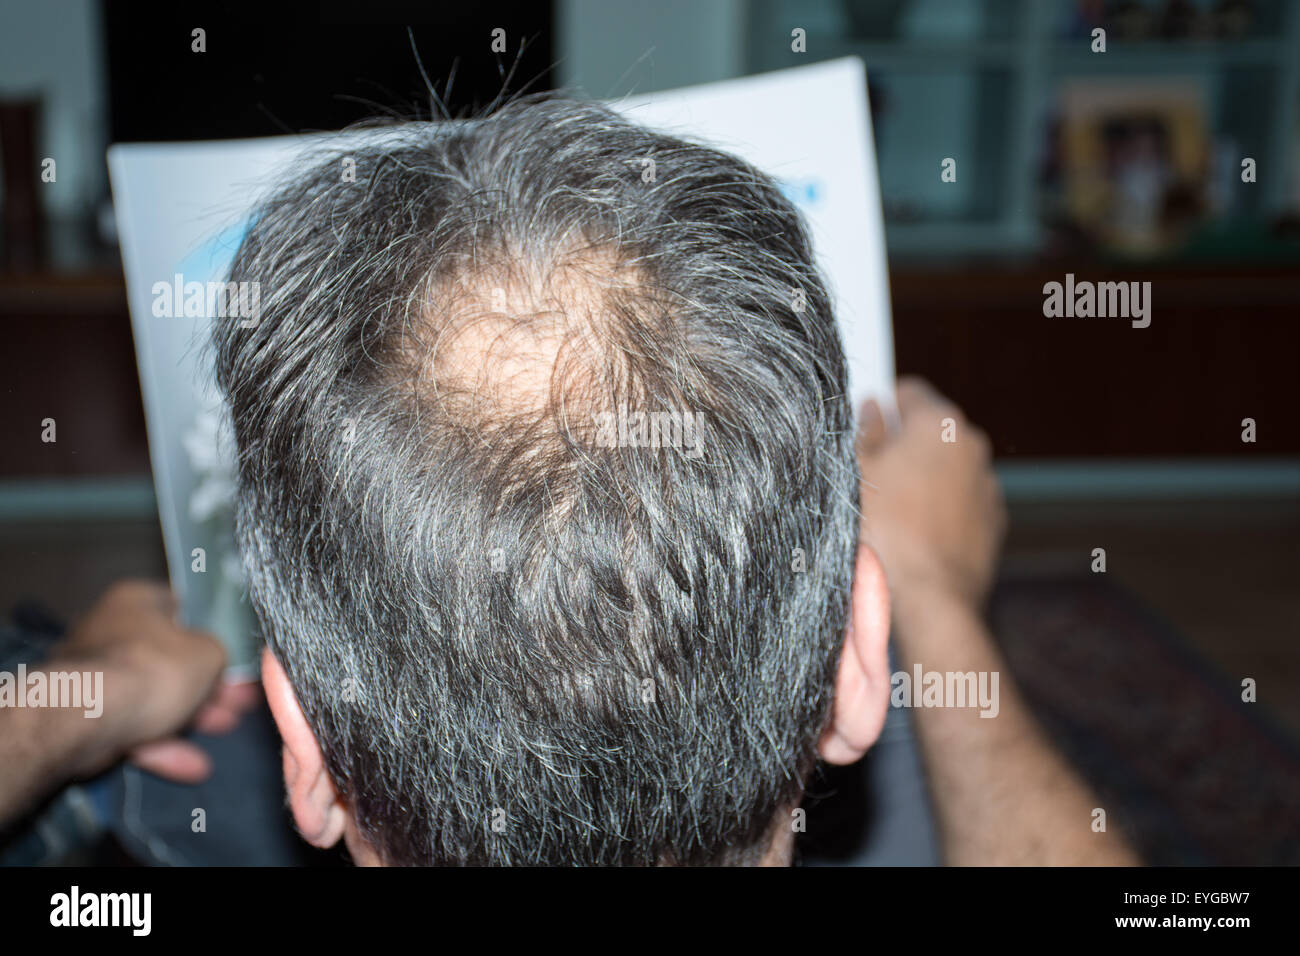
point(547, 496)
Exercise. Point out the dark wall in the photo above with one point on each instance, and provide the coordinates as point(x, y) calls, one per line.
point(321, 70)
point(1221, 347)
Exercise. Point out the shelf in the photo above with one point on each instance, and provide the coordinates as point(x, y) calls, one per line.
point(988, 97)
point(1165, 56)
point(944, 56)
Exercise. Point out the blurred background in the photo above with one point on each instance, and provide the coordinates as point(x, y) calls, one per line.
point(1123, 165)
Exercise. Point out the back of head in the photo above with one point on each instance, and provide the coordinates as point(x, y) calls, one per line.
point(547, 496)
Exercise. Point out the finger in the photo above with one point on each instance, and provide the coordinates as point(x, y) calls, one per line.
point(207, 656)
point(872, 430)
point(216, 719)
point(155, 594)
point(915, 394)
point(239, 695)
point(229, 701)
point(173, 759)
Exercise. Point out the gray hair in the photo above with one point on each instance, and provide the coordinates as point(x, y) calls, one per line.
point(517, 644)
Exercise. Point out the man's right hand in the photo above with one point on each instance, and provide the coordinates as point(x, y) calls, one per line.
point(932, 509)
point(933, 512)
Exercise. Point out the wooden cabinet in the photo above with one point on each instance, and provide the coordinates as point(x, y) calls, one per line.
point(1222, 346)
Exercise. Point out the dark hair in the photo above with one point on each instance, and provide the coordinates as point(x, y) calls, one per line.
point(517, 642)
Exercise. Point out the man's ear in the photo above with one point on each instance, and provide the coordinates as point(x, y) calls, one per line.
point(319, 814)
point(862, 685)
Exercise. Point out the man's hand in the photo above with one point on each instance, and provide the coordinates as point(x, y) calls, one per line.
point(156, 679)
point(932, 509)
point(157, 675)
point(934, 514)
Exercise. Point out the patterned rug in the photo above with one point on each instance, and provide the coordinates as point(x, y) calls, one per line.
point(1192, 773)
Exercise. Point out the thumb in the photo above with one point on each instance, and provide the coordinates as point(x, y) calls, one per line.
point(872, 431)
point(173, 759)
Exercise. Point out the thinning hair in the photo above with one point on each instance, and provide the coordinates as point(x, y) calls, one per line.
point(518, 643)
